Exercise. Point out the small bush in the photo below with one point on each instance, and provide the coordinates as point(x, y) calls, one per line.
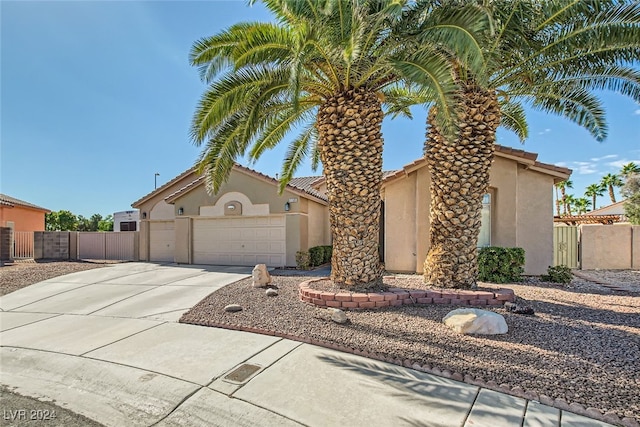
point(328, 252)
point(557, 274)
point(303, 261)
point(316, 255)
point(500, 265)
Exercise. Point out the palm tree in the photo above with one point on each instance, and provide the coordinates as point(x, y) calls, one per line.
point(629, 169)
point(569, 201)
point(593, 191)
point(324, 68)
point(581, 204)
point(610, 181)
point(562, 185)
point(547, 54)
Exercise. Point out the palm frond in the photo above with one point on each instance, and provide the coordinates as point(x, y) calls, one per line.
point(513, 118)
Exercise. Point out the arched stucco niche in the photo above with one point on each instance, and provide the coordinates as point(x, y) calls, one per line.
point(248, 208)
point(162, 210)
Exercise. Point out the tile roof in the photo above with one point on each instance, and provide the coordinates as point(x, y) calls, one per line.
point(12, 202)
point(163, 187)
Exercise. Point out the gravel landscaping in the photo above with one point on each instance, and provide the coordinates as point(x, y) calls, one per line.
point(17, 275)
point(580, 351)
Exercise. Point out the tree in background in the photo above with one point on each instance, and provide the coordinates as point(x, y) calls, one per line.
point(67, 221)
point(610, 181)
point(631, 190)
point(593, 191)
point(569, 202)
point(61, 221)
point(629, 169)
point(582, 205)
point(105, 224)
point(562, 185)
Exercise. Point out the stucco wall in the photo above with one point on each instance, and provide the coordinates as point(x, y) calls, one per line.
point(607, 246)
point(183, 229)
point(521, 215)
point(504, 179)
point(24, 219)
point(319, 230)
point(400, 225)
point(258, 191)
point(534, 219)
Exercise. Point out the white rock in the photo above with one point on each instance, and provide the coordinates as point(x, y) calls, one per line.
point(475, 321)
point(232, 308)
point(338, 315)
point(271, 292)
point(261, 276)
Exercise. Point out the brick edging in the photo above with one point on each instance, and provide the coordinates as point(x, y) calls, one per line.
point(398, 296)
point(559, 403)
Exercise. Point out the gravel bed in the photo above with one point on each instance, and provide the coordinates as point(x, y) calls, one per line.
point(583, 344)
point(20, 274)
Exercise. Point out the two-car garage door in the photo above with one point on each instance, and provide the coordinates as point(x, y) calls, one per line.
point(240, 240)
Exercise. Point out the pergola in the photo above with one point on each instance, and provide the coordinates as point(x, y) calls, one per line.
point(588, 219)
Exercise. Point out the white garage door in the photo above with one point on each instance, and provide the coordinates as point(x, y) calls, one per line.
point(162, 240)
point(239, 241)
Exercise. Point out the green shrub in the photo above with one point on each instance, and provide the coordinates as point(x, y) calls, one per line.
point(316, 254)
point(328, 252)
point(500, 265)
point(303, 261)
point(557, 274)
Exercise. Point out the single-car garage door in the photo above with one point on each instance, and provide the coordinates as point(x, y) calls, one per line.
point(239, 241)
point(162, 240)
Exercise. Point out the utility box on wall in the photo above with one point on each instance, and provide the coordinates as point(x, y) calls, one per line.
point(5, 243)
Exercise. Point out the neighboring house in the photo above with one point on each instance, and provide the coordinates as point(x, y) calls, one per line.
point(20, 215)
point(612, 209)
point(247, 222)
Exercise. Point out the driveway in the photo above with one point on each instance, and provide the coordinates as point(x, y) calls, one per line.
point(106, 344)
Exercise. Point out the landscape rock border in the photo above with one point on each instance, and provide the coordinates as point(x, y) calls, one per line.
point(397, 296)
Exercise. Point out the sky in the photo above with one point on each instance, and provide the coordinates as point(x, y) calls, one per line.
point(96, 98)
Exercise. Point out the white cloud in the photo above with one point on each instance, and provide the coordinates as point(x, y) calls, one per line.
point(637, 112)
point(544, 131)
point(586, 169)
point(581, 168)
point(608, 156)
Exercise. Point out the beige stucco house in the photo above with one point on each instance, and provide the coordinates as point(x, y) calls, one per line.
point(247, 222)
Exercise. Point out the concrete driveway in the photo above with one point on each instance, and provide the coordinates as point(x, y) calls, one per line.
point(105, 344)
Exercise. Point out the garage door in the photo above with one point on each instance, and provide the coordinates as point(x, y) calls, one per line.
point(162, 240)
point(239, 241)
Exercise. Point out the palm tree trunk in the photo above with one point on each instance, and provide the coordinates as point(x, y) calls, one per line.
point(593, 206)
point(557, 202)
point(350, 141)
point(612, 194)
point(459, 168)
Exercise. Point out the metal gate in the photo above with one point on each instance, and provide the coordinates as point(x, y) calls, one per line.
point(565, 246)
point(22, 246)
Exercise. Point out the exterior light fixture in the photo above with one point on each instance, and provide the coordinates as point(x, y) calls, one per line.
point(144, 215)
point(287, 207)
point(180, 211)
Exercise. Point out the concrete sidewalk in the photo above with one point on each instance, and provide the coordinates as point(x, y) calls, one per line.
point(105, 344)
